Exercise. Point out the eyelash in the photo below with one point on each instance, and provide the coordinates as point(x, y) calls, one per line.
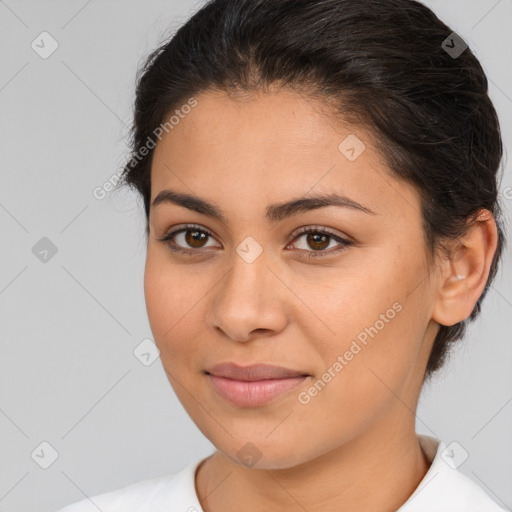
point(167, 239)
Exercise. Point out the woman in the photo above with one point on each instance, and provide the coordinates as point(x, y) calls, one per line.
point(319, 180)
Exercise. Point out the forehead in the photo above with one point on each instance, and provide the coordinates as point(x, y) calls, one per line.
point(269, 147)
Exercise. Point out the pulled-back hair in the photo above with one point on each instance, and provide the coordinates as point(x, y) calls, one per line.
point(381, 65)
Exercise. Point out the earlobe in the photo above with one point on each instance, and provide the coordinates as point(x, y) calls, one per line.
point(465, 272)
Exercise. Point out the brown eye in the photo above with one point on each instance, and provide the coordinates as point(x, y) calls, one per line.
point(190, 240)
point(195, 238)
point(187, 240)
point(317, 240)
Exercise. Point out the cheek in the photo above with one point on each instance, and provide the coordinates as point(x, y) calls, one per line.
point(167, 301)
point(158, 292)
point(362, 381)
point(175, 298)
point(377, 329)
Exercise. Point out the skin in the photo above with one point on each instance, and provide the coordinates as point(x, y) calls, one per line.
point(358, 433)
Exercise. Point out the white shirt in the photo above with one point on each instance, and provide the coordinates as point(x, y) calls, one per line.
point(443, 489)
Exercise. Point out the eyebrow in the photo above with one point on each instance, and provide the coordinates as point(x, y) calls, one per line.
point(275, 212)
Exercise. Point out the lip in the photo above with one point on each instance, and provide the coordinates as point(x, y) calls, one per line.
point(253, 372)
point(254, 385)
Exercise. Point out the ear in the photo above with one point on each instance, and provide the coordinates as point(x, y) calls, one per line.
point(464, 273)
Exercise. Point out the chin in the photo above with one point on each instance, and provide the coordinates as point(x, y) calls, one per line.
point(264, 453)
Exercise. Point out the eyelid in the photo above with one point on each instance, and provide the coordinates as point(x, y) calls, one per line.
point(180, 228)
point(343, 241)
point(320, 229)
point(299, 231)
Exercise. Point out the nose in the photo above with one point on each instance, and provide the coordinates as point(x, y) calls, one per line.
point(250, 301)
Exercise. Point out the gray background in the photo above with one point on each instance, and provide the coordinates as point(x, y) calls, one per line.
point(69, 326)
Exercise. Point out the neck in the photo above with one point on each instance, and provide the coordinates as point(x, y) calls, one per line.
point(375, 472)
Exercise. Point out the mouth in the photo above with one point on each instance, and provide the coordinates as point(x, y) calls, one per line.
point(253, 372)
point(254, 385)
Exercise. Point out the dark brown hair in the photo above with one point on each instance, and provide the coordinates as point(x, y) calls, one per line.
point(383, 65)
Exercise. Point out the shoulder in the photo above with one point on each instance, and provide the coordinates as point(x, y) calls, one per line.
point(445, 487)
point(153, 494)
point(465, 493)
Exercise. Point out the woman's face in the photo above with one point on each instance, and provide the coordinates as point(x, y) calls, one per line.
point(356, 318)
